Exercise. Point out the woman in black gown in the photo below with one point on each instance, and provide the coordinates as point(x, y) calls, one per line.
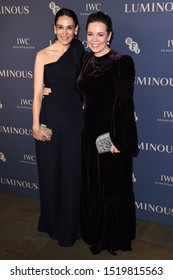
point(59, 160)
point(106, 81)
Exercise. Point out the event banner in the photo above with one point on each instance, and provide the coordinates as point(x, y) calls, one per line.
point(143, 30)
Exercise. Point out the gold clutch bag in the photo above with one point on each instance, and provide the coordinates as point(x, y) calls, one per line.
point(48, 131)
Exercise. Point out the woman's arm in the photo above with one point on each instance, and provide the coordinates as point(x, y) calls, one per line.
point(123, 129)
point(38, 95)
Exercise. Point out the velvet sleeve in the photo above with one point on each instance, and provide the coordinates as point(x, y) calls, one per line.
point(123, 126)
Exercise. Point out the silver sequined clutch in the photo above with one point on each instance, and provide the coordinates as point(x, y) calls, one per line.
point(103, 143)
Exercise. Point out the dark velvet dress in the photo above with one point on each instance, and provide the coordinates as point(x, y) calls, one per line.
point(59, 160)
point(107, 199)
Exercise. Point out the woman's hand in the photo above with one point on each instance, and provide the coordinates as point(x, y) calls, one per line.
point(39, 135)
point(113, 149)
point(46, 91)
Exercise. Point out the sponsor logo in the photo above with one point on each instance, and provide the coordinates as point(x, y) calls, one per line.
point(15, 130)
point(148, 7)
point(154, 81)
point(160, 148)
point(93, 6)
point(25, 104)
point(133, 46)
point(136, 117)
point(166, 117)
point(159, 209)
point(23, 43)
point(85, 44)
point(54, 8)
point(165, 180)
point(133, 178)
point(169, 47)
point(90, 8)
point(2, 157)
point(19, 183)
point(29, 159)
point(14, 10)
point(16, 74)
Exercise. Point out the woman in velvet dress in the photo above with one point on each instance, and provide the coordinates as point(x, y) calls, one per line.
point(59, 160)
point(106, 81)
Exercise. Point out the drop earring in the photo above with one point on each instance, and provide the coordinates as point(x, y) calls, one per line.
point(108, 43)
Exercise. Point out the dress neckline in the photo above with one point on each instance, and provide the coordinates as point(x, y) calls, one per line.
point(103, 56)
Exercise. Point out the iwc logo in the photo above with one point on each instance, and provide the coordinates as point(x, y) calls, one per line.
point(166, 117)
point(23, 43)
point(168, 47)
point(165, 180)
point(25, 104)
point(28, 159)
point(91, 8)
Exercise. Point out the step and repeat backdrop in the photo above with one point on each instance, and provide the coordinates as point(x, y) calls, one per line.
point(142, 29)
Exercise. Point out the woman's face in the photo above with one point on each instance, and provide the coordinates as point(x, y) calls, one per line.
point(97, 38)
point(65, 30)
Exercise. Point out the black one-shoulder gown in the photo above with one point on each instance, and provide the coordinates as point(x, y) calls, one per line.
point(59, 161)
